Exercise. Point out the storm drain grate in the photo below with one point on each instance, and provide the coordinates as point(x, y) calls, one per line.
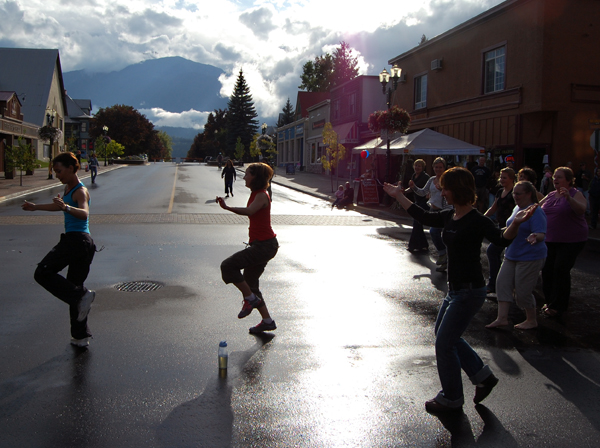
point(143, 286)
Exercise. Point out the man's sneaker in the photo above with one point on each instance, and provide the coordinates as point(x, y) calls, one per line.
point(442, 259)
point(483, 389)
point(248, 306)
point(262, 326)
point(80, 342)
point(85, 304)
point(433, 407)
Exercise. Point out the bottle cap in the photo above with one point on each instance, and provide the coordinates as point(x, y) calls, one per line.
point(223, 344)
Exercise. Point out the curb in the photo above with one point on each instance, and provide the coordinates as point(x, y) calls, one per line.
point(360, 208)
point(19, 194)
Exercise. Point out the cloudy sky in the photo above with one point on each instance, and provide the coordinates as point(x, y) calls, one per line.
point(270, 39)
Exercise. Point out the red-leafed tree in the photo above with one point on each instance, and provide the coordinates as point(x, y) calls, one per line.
point(131, 129)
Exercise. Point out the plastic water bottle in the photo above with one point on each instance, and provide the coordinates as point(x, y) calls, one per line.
point(223, 355)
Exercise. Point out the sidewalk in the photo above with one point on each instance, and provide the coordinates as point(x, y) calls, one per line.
point(319, 185)
point(11, 188)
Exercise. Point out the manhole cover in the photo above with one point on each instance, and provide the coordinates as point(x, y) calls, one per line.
point(142, 286)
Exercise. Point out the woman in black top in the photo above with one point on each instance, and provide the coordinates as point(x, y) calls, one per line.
point(464, 231)
point(502, 207)
point(229, 174)
point(418, 240)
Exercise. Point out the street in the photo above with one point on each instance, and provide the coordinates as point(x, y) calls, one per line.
point(351, 363)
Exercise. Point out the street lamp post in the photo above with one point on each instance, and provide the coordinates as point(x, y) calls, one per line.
point(50, 114)
point(384, 79)
point(105, 131)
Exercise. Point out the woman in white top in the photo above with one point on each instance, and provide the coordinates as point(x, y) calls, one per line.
point(435, 202)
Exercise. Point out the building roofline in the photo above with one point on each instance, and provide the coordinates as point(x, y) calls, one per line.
point(316, 106)
point(486, 15)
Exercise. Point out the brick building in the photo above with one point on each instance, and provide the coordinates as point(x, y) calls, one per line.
point(520, 79)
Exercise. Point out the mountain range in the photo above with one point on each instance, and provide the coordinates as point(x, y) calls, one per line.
point(174, 84)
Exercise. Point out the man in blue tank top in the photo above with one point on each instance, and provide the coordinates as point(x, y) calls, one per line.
point(76, 248)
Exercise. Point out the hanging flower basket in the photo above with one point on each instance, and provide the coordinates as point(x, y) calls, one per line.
point(393, 120)
point(49, 132)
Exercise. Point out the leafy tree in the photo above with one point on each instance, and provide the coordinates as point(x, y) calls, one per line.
point(317, 76)
point(287, 114)
point(126, 125)
point(114, 149)
point(328, 71)
point(100, 145)
point(20, 156)
point(71, 143)
point(262, 145)
point(335, 151)
point(167, 143)
point(239, 149)
point(241, 116)
point(345, 66)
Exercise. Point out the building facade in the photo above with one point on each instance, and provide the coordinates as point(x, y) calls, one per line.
point(351, 105)
point(318, 115)
point(520, 79)
point(12, 125)
point(36, 76)
point(77, 126)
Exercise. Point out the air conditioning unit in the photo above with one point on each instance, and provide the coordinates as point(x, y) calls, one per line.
point(402, 78)
point(436, 64)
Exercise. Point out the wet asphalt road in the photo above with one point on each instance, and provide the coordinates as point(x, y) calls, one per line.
point(350, 365)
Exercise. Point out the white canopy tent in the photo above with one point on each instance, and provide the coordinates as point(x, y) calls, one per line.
point(424, 142)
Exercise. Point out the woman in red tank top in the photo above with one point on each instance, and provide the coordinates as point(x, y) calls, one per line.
point(261, 248)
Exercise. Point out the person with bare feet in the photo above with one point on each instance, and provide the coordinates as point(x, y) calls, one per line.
point(523, 261)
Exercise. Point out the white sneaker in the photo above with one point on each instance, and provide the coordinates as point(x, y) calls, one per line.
point(85, 304)
point(80, 342)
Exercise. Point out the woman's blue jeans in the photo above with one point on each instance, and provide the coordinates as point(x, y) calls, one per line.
point(438, 242)
point(452, 352)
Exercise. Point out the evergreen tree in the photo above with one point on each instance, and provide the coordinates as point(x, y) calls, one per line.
point(287, 114)
point(214, 137)
point(241, 116)
point(345, 66)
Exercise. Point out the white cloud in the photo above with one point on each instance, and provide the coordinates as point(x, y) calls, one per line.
point(270, 39)
point(187, 119)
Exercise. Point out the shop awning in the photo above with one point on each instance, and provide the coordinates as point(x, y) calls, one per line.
point(424, 142)
point(344, 131)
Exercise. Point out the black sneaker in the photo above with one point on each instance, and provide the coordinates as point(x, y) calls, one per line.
point(483, 389)
point(262, 326)
point(248, 306)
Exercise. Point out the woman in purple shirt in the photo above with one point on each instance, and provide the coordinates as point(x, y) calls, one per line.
point(566, 235)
